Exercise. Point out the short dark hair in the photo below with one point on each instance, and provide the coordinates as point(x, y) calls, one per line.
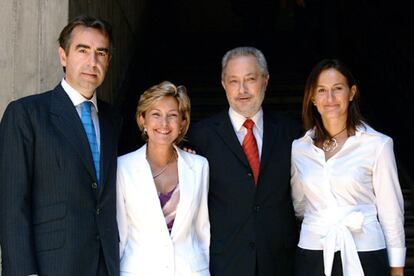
point(311, 116)
point(86, 21)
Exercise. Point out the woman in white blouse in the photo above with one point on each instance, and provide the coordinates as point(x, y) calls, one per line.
point(344, 184)
point(162, 193)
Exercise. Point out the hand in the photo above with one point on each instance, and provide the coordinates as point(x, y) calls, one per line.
point(397, 271)
point(189, 150)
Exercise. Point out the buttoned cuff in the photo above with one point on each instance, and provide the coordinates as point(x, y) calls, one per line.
point(396, 256)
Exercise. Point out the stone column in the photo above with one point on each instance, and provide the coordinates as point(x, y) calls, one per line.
point(28, 38)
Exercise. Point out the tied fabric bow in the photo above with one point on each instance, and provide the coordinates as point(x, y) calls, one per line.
point(341, 235)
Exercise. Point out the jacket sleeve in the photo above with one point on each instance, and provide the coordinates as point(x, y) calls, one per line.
point(16, 183)
point(197, 138)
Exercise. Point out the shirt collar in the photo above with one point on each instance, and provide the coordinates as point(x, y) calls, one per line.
point(76, 97)
point(238, 120)
point(364, 128)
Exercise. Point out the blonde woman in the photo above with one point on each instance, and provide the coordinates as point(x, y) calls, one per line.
point(162, 193)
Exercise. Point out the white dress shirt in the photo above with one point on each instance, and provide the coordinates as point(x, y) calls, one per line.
point(351, 202)
point(77, 99)
point(238, 120)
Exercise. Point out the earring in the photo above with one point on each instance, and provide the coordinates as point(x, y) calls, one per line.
point(145, 131)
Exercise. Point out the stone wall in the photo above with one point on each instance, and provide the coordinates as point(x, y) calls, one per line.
point(29, 59)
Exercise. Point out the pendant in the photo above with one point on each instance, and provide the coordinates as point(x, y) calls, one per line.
point(329, 145)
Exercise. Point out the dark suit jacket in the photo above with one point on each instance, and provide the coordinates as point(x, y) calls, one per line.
point(54, 219)
point(252, 229)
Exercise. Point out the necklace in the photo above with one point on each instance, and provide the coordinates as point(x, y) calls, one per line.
point(160, 172)
point(331, 144)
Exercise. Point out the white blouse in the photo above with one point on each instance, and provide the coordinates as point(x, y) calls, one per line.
point(351, 202)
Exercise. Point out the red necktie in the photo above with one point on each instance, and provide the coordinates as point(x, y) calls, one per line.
point(251, 150)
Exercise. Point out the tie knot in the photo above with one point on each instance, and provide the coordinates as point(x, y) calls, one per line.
point(86, 107)
point(248, 124)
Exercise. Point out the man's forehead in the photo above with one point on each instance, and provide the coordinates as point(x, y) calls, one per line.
point(242, 70)
point(253, 73)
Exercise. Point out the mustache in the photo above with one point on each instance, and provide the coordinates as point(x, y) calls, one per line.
point(243, 96)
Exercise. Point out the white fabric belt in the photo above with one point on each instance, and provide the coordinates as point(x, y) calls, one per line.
point(335, 225)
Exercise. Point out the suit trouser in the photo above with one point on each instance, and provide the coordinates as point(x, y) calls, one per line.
point(310, 263)
point(102, 270)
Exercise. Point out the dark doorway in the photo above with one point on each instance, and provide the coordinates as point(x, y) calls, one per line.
point(183, 41)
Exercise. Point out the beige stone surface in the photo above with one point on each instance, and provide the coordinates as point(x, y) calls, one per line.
point(28, 61)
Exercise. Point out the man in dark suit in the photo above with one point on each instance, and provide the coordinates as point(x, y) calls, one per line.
point(253, 229)
point(58, 155)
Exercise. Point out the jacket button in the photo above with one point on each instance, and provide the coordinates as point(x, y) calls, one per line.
point(256, 208)
point(98, 211)
point(94, 186)
point(252, 245)
point(98, 237)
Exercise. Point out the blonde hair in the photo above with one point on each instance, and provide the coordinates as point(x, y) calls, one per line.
point(157, 93)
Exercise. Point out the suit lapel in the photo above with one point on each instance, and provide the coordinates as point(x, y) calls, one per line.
point(142, 173)
point(66, 119)
point(226, 132)
point(186, 182)
point(108, 142)
point(269, 139)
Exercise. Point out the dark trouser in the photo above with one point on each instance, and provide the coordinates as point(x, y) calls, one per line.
point(310, 263)
point(102, 270)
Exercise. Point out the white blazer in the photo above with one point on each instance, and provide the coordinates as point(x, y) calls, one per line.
point(146, 246)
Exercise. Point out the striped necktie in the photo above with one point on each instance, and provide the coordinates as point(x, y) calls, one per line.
point(86, 118)
point(250, 149)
